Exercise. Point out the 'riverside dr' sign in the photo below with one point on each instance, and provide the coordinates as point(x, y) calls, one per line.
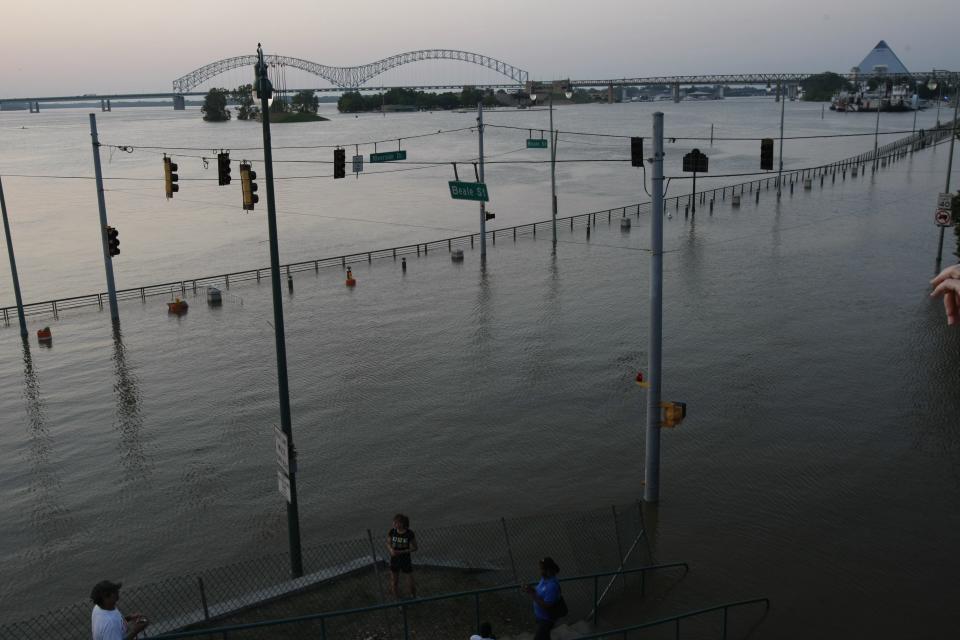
point(468, 191)
point(388, 156)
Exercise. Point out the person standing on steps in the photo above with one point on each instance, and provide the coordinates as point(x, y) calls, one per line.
point(401, 542)
point(546, 596)
point(106, 621)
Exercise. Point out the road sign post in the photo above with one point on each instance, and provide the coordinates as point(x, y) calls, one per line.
point(357, 164)
point(695, 161)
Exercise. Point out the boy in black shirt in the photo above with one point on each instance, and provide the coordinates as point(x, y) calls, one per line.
point(401, 542)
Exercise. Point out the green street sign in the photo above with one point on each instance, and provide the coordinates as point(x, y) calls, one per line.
point(388, 156)
point(536, 143)
point(469, 191)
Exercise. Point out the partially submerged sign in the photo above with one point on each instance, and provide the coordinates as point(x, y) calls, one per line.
point(695, 162)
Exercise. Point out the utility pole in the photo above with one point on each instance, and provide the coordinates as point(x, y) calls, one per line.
point(953, 139)
point(553, 173)
point(483, 205)
point(651, 491)
point(13, 265)
point(783, 106)
point(876, 133)
point(101, 203)
point(264, 92)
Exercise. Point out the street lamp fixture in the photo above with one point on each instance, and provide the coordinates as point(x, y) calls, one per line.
point(932, 84)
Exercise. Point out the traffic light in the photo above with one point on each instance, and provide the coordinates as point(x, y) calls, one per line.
point(766, 154)
point(113, 241)
point(339, 163)
point(170, 176)
point(249, 187)
point(636, 152)
point(490, 216)
point(673, 413)
point(223, 168)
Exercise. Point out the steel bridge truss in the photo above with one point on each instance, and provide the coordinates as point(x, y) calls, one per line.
point(762, 78)
point(347, 77)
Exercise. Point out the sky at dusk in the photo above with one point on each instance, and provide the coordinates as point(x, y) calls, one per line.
point(64, 47)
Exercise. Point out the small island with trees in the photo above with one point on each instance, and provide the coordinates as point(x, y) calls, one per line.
point(300, 107)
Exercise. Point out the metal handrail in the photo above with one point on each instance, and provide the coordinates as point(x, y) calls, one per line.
point(677, 618)
point(931, 136)
point(404, 605)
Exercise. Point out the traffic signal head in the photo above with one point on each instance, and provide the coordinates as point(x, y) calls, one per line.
point(113, 241)
point(636, 152)
point(766, 154)
point(248, 186)
point(170, 177)
point(339, 163)
point(223, 168)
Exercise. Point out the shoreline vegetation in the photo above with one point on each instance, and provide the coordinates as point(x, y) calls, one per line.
point(301, 107)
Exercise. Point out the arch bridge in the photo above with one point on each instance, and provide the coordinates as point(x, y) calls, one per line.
point(349, 77)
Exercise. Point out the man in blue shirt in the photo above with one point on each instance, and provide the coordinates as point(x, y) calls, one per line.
point(545, 595)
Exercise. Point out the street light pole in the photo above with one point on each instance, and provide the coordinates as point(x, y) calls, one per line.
point(553, 173)
point(13, 265)
point(264, 92)
point(783, 106)
point(651, 489)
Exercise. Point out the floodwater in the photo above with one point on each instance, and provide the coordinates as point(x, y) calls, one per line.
point(818, 464)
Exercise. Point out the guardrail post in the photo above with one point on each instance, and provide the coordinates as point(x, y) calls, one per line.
point(514, 234)
point(316, 266)
point(616, 533)
point(725, 609)
point(506, 535)
point(323, 629)
point(376, 565)
point(596, 602)
point(406, 624)
point(226, 281)
point(55, 315)
point(100, 300)
point(343, 261)
point(476, 603)
point(449, 246)
point(370, 260)
point(203, 600)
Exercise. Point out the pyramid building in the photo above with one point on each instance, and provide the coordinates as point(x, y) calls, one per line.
point(882, 60)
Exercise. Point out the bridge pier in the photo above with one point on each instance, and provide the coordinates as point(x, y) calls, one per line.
point(34, 107)
point(676, 92)
point(776, 97)
point(718, 92)
point(179, 103)
point(610, 99)
point(105, 105)
point(792, 92)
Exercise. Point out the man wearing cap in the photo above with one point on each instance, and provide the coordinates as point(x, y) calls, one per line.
point(106, 621)
point(545, 595)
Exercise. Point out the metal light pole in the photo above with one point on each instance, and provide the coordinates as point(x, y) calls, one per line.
point(553, 173)
point(101, 203)
point(265, 92)
point(783, 106)
point(651, 491)
point(876, 134)
point(13, 265)
point(483, 205)
point(953, 139)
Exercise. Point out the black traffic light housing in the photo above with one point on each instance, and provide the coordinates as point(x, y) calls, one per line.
point(223, 168)
point(636, 152)
point(766, 154)
point(339, 163)
point(248, 186)
point(170, 177)
point(113, 241)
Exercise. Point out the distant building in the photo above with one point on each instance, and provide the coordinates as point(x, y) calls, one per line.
point(881, 60)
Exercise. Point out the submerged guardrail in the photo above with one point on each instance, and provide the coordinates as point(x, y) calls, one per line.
point(885, 154)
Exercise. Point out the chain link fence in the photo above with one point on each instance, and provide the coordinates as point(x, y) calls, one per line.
point(354, 573)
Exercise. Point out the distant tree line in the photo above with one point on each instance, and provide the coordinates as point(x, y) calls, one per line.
point(354, 101)
point(215, 109)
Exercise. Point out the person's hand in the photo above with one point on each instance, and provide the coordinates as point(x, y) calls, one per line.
point(947, 285)
point(138, 625)
point(134, 616)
